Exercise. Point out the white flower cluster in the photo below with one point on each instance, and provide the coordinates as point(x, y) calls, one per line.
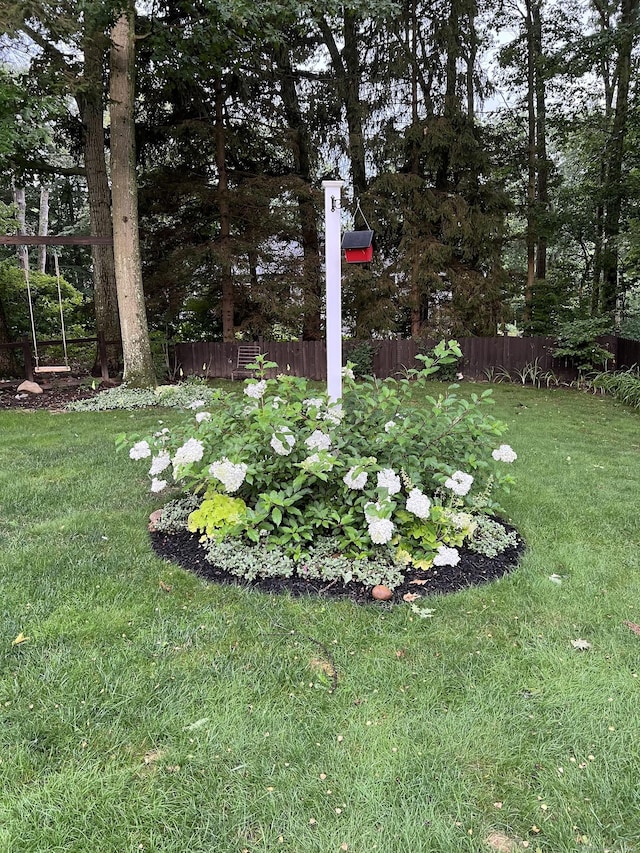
point(140, 450)
point(459, 483)
point(380, 529)
point(446, 556)
point(197, 404)
point(318, 440)
point(162, 434)
point(159, 463)
point(256, 389)
point(347, 373)
point(334, 415)
point(158, 485)
point(353, 481)
point(389, 426)
point(316, 461)
point(504, 453)
point(283, 441)
point(388, 479)
point(191, 451)
point(312, 403)
point(230, 475)
point(203, 416)
point(275, 403)
point(418, 504)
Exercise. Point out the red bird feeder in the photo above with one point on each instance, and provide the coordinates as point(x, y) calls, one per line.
point(358, 245)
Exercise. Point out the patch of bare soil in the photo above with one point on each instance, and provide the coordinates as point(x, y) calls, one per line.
point(54, 397)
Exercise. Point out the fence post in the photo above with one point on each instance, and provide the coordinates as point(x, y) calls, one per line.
point(102, 354)
point(28, 360)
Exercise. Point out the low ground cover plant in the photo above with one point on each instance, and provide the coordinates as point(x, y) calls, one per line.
point(357, 489)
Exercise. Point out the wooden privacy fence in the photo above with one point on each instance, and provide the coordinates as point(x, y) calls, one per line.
point(481, 356)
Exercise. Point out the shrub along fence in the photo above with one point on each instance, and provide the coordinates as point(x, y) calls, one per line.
point(482, 357)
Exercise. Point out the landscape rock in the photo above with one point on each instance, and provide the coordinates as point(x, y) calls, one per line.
point(155, 515)
point(30, 387)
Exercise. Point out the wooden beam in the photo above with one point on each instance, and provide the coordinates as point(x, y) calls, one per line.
point(34, 240)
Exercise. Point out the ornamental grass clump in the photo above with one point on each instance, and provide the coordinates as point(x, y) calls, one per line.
point(391, 475)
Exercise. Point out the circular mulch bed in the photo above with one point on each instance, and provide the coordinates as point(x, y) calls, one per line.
point(473, 569)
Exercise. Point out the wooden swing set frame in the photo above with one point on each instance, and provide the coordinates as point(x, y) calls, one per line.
point(32, 240)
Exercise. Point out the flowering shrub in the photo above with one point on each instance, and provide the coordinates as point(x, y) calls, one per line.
point(392, 472)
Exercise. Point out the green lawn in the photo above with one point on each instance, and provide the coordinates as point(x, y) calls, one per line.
point(148, 711)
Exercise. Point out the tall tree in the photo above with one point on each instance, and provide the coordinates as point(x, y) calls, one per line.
point(138, 362)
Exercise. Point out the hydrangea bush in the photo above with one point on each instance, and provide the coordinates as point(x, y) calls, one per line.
point(391, 475)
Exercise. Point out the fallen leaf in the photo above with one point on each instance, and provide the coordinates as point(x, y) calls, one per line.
point(410, 596)
point(197, 725)
point(581, 645)
point(555, 578)
point(633, 627)
point(153, 755)
point(165, 586)
point(500, 842)
point(498, 805)
point(418, 582)
point(401, 653)
point(20, 639)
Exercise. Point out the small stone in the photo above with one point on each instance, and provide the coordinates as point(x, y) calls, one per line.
point(30, 387)
point(381, 593)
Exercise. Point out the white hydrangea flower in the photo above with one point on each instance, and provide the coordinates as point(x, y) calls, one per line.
point(462, 520)
point(203, 416)
point(197, 404)
point(381, 530)
point(348, 373)
point(140, 450)
point(318, 440)
point(160, 463)
point(191, 451)
point(312, 403)
point(418, 504)
point(158, 485)
point(334, 414)
point(256, 389)
point(314, 460)
point(230, 475)
point(163, 434)
point(283, 441)
point(446, 556)
point(354, 482)
point(275, 403)
point(372, 511)
point(389, 426)
point(504, 453)
point(459, 483)
point(388, 479)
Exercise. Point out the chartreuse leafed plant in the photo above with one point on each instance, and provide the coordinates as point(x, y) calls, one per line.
point(388, 482)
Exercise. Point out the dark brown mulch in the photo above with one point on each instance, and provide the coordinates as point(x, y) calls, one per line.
point(54, 397)
point(473, 569)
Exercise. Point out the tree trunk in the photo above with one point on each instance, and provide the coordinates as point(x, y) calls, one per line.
point(312, 278)
point(542, 164)
point(21, 218)
point(43, 227)
point(90, 105)
point(138, 363)
point(615, 155)
point(531, 159)
point(224, 248)
point(347, 69)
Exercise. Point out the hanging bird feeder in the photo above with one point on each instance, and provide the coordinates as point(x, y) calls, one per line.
point(358, 245)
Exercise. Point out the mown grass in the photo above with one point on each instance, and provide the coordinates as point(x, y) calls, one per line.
point(149, 711)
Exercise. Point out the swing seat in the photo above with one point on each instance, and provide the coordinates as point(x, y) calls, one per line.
point(53, 368)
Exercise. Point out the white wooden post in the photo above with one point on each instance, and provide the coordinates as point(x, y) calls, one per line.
point(333, 265)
